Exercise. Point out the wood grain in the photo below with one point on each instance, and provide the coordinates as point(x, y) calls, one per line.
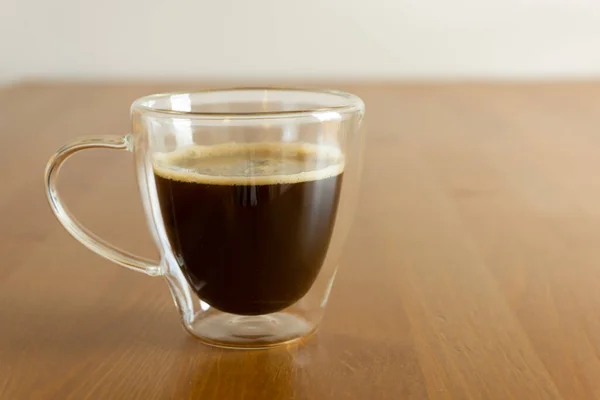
point(472, 271)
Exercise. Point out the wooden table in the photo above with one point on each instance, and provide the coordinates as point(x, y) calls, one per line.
point(472, 272)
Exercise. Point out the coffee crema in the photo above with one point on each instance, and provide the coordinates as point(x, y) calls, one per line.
point(250, 224)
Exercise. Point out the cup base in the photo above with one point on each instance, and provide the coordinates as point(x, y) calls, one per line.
point(250, 332)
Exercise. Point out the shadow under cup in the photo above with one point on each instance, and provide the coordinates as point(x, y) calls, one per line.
point(249, 194)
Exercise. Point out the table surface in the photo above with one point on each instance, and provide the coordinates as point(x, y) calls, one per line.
point(472, 271)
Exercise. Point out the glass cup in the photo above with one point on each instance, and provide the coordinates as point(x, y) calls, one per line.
point(248, 194)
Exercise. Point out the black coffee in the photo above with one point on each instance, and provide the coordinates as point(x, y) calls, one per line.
point(250, 224)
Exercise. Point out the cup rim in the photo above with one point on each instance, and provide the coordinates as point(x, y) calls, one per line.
point(348, 103)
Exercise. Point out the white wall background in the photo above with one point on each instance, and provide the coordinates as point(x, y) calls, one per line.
point(309, 39)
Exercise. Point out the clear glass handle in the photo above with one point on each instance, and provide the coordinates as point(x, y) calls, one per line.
point(80, 232)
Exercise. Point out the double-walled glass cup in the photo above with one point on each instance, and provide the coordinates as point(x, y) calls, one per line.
point(249, 194)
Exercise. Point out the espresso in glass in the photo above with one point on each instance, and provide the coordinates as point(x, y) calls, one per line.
point(249, 224)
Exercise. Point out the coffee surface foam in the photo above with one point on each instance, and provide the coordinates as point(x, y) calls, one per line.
point(250, 163)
